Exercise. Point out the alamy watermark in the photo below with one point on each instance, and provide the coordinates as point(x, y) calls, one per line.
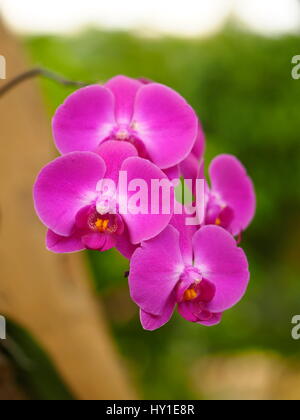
point(136, 196)
point(2, 328)
point(2, 67)
point(296, 68)
point(296, 328)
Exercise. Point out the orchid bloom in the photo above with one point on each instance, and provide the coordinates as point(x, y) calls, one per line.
point(154, 118)
point(231, 199)
point(71, 200)
point(203, 272)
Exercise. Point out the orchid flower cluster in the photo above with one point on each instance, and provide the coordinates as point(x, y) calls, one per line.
point(144, 135)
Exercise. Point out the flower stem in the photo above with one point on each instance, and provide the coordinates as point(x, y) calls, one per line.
point(38, 71)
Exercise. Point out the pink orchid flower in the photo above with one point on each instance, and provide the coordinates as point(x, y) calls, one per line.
point(154, 118)
point(203, 272)
point(231, 200)
point(70, 201)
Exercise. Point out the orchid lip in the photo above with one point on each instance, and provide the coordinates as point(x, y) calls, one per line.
point(188, 285)
point(219, 214)
point(89, 220)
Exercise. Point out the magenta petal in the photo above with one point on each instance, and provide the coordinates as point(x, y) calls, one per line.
point(153, 322)
point(193, 166)
point(155, 270)
point(110, 242)
point(189, 168)
point(99, 241)
point(82, 217)
point(186, 236)
point(231, 182)
point(125, 90)
point(185, 309)
point(226, 217)
point(93, 241)
point(192, 312)
point(84, 120)
point(166, 124)
point(114, 153)
point(199, 147)
point(124, 246)
point(64, 187)
point(142, 227)
point(173, 173)
point(207, 291)
point(201, 171)
point(213, 320)
point(64, 244)
point(222, 263)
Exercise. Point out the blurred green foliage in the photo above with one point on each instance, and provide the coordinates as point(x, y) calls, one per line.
point(241, 86)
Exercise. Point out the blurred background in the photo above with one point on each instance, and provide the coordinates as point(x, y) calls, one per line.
point(232, 61)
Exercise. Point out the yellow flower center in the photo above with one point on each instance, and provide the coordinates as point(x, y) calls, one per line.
point(218, 221)
point(190, 294)
point(102, 225)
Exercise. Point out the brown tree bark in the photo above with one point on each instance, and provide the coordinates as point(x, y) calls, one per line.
point(47, 294)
